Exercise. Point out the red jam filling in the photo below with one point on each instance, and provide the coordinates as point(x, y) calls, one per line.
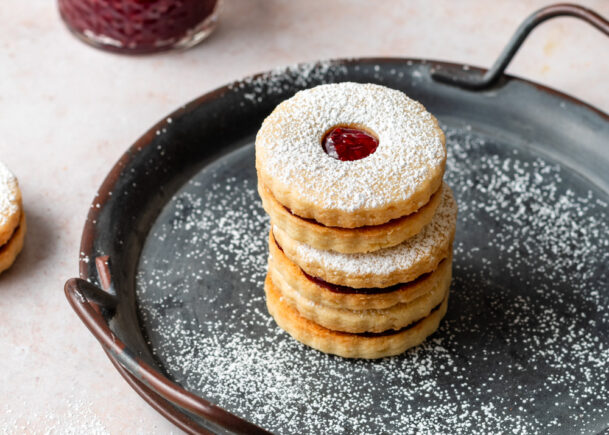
point(351, 290)
point(348, 144)
point(364, 291)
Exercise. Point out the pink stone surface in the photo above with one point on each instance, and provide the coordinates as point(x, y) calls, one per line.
point(67, 112)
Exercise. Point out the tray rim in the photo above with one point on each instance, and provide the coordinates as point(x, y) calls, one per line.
point(168, 409)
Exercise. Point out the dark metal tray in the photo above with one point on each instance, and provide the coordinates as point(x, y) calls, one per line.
point(176, 238)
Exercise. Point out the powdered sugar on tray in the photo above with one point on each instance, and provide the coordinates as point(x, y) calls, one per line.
point(410, 155)
point(435, 236)
point(280, 79)
point(524, 347)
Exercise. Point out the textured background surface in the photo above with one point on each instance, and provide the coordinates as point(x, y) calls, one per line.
point(67, 112)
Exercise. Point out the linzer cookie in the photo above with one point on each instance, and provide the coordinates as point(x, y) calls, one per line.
point(348, 240)
point(362, 226)
point(320, 292)
point(350, 155)
point(12, 219)
point(11, 249)
point(392, 317)
point(365, 345)
point(385, 267)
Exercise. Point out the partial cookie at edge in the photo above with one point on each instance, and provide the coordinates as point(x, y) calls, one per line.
point(11, 249)
point(10, 204)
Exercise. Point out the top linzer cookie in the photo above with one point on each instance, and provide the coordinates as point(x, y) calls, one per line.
point(351, 155)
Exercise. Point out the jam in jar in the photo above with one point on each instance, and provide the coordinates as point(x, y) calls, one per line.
point(140, 26)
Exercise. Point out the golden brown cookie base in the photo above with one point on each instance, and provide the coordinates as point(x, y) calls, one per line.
point(315, 292)
point(345, 344)
point(10, 250)
point(348, 240)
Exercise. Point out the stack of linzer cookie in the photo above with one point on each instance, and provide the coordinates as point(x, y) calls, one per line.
point(12, 219)
point(361, 222)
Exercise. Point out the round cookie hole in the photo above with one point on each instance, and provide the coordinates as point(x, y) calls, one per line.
point(349, 142)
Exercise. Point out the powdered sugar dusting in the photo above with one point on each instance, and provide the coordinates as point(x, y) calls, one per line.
point(9, 200)
point(77, 417)
point(278, 80)
point(402, 257)
point(524, 347)
point(410, 154)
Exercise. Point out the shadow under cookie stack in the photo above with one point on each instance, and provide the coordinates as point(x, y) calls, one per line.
point(362, 225)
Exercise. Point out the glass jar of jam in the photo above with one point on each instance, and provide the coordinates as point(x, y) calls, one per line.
point(140, 26)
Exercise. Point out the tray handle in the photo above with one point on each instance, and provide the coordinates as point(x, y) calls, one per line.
point(470, 79)
point(89, 302)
